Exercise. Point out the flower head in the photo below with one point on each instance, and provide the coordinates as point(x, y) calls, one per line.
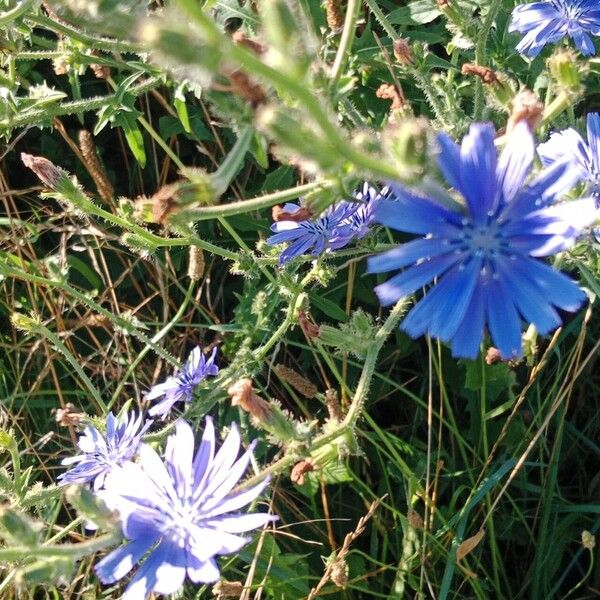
point(180, 386)
point(568, 145)
point(180, 512)
point(550, 21)
point(332, 230)
point(103, 452)
point(484, 254)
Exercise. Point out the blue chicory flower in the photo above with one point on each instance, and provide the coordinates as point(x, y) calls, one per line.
point(568, 145)
point(332, 230)
point(180, 386)
point(550, 21)
point(103, 452)
point(484, 254)
point(179, 514)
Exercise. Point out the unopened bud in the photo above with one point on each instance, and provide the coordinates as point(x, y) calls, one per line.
point(69, 416)
point(588, 540)
point(406, 144)
point(89, 506)
point(17, 527)
point(527, 107)
point(567, 70)
point(492, 356)
point(48, 173)
point(23, 322)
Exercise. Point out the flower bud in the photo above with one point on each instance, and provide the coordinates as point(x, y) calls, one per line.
point(588, 540)
point(567, 70)
point(18, 528)
point(526, 106)
point(402, 51)
point(406, 144)
point(48, 173)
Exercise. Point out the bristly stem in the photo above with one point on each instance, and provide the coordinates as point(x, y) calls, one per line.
point(480, 56)
point(348, 33)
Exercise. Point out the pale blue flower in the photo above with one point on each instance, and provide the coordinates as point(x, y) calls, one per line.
point(483, 255)
point(583, 156)
point(551, 21)
point(180, 514)
point(180, 386)
point(103, 452)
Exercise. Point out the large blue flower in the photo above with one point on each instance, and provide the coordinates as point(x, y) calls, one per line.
point(180, 387)
point(483, 255)
point(548, 22)
point(584, 157)
point(102, 453)
point(179, 514)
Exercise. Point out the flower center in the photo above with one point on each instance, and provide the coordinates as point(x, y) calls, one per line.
point(484, 241)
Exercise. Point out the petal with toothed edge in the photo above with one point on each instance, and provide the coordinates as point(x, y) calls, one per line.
point(179, 454)
point(119, 562)
point(170, 573)
point(503, 319)
point(202, 571)
point(412, 279)
point(529, 299)
point(515, 162)
point(407, 254)
point(467, 339)
point(478, 158)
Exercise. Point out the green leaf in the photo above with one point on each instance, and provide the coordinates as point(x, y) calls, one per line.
point(416, 13)
point(133, 135)
point(328, 307)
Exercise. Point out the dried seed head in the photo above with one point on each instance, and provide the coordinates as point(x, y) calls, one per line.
point(69, 416)
point(240, 38)
point(333, 404)
point(403, 52)
point(339, 573)
point(241, 85)
point(297, 381)
point(228, 589)
point(388, 91)
point(48, 173)
point(196, 264)
point(334, 14)
point(492, 356)
point(279, 214)
point(415, 520)
point(310, 329)
point(527, 107)
point(159, 207)
point(300, 469)
point(243, 395)
point(94, 166)
point(484, 73)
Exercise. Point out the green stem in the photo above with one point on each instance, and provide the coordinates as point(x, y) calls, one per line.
point(83, 298)
point(245, 206)
point(33, 117)
point(14, 13)
point(480, 56)
point(364, 382)
point(294, 87)
point(58, 344)
point(155, 339)
point(99, 43)
point(348, 33)
point(383, 20)
point(354, 412)
point(75, 551)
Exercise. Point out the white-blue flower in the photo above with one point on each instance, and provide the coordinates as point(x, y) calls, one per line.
point(180, 514)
